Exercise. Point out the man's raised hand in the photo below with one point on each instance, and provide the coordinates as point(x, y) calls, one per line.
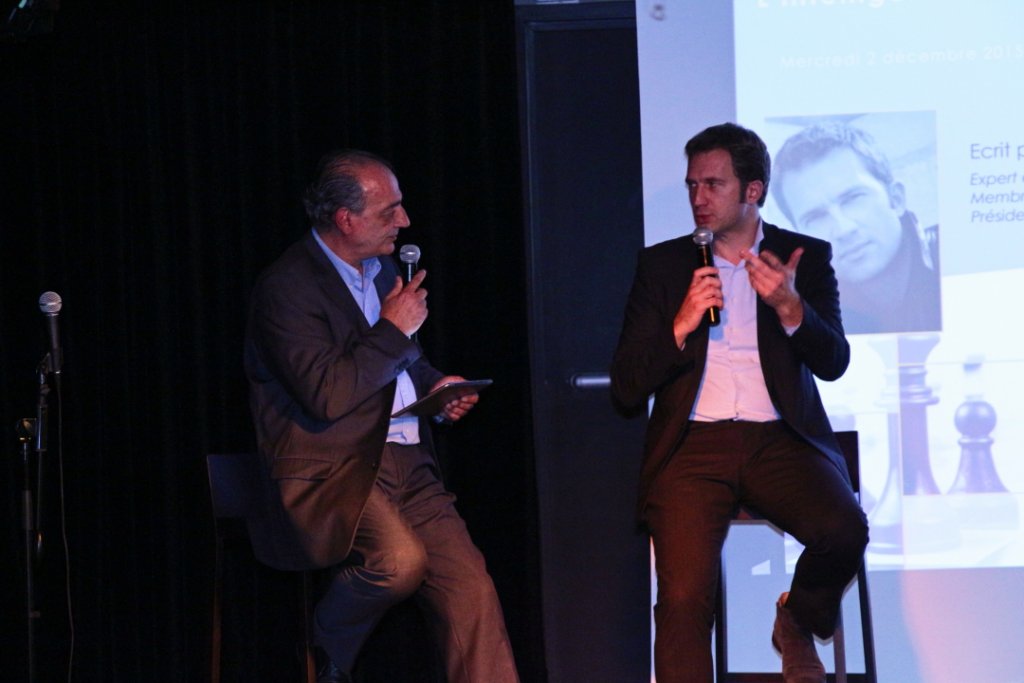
point(406, 304)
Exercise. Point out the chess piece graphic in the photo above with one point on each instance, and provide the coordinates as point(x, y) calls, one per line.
point(975, 420)
point(915, 397)
point(977, 493)
point(886, 516)
point(930, 523)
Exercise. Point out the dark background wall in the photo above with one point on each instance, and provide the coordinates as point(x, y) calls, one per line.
point(152, 156)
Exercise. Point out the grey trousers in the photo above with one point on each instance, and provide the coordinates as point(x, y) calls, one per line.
point(411, 542)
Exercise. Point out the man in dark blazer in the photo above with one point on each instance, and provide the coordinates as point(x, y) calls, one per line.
point(737, 419)
point(330, 356)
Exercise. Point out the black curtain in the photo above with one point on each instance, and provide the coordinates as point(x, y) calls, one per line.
point(153, 155)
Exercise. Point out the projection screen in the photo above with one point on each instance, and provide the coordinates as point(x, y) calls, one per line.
point(932, 90)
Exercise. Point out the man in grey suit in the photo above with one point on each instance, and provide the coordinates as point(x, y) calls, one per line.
point(737, 419)
point(330, 356)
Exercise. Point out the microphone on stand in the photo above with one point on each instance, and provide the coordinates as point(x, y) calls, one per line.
point(410, 256)
point(703, 238)
point(50, 304)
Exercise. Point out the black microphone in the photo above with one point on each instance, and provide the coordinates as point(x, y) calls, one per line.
point(703, 238)
point(49, 304)
point(410, 256)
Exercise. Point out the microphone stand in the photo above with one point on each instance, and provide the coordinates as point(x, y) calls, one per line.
point(27, 432)
point(33, 431)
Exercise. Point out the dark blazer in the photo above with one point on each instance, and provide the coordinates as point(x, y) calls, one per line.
point(647, 360)
point(321, 383)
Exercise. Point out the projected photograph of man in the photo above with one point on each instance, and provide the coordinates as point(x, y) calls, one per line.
point(834, 181)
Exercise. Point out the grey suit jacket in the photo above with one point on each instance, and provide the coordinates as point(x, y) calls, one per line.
point(321, 382)
point(647, 360)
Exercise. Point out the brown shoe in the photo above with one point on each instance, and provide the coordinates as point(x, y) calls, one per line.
point(800, 663)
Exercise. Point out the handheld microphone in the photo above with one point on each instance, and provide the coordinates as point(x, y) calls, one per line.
point(50, 304)
point(703, 238)
point(409, 254)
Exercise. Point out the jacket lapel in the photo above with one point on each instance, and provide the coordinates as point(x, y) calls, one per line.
point(333, 287)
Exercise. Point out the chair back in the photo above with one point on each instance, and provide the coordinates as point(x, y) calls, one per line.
point(851, 452)
point(234, 487)
point(235, 497)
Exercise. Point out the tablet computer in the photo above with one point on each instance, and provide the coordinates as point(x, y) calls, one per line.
point(434, 402)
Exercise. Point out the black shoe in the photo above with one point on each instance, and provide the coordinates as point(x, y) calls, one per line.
point(800, 663)
point(326, 672)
